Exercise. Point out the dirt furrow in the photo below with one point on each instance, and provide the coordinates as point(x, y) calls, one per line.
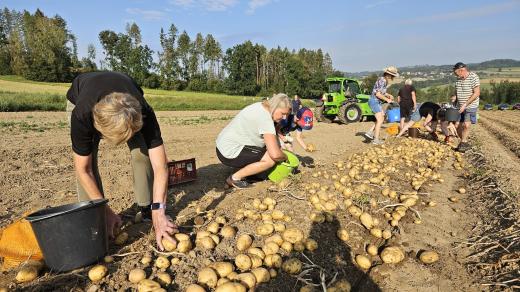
point(508, 138)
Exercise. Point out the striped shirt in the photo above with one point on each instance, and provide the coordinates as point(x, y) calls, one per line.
point(465, 89)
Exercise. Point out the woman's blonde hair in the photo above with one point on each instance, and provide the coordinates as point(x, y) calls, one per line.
point(118, 117)
point(280, 100)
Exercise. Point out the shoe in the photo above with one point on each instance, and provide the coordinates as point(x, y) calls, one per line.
point(237, 184)
point(377, 142)
point(463, 147)
point(369, 135)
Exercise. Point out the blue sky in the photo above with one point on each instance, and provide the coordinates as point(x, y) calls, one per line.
point(358, 34)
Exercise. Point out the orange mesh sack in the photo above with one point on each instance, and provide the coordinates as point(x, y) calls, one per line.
point(18, 244)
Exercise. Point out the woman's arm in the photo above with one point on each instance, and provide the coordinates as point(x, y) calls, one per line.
point(85, 175)
point(299, 138)
point(414, 99)
point(273, 148)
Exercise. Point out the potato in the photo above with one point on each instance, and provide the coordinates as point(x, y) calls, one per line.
point(265, 229)
point(222, 281)
point(317, 217)
point(231, 287)
point(97, 273)
point(342, 234)
point(181, 236)
point(269, 201)
point(273, 261)
point(342, 286)
point(392, 255)
point(136, 275)
point(199, 220)
point(175, 261)
point(169, 245)
point(215, 238)
point(453, 199)
point(228, 231)
point(162, 262)
point(201, 234)
point(148, 285)
point(206, 243)
point(367, 220)
point(146, 260)
point(287, 246)
point(262, 275)
point(270, 248)
point(233, 276)
point(256, 261)
point(223, 268)
point(213, 227)
point(220, 220)
point(363, 262)
point(299, 246)
point(108, 259)
point(164, 278)
point(309, 288)
point(386, 234)
point(311, 244)
point(292, 266)
point(195, 288)
point(429, 257)
point(372, 250)
point(207, 276)
point(376, 232)
point(244, 241)
point(248, 279)
point(462, 190)
point(355, 211)
point(273, 273)
point(256, 251)
point(279, 227)
point(267, 218)
point(184, 246)
point(121, 238)
point(243, 262)
point(292, 235)
point(277, 215)
point(276, 238)
point(29, 272)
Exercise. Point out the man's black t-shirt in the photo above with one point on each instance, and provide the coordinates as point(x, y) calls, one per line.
point(86, 90)
point(429, 108)
point(405, 94)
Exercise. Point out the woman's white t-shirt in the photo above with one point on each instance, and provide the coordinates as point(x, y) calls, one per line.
point(247, 128)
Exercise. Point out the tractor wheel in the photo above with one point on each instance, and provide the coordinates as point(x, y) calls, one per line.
point(350, 113)
point(320, 117)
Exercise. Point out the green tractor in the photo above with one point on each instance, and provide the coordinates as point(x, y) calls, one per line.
point(344, 100)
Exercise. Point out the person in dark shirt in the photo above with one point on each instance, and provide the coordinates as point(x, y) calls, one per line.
point(407, 102)
point(111, 106)
point(296, 105)
point(429, 111)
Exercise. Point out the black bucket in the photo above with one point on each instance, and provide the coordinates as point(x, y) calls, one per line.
point(73, 235)
point(452, 115)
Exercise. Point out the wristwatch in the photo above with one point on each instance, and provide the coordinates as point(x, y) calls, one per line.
point(157, 206)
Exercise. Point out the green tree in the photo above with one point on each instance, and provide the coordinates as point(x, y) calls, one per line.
point(183, 49)
point(240, 65)
point(168, 64)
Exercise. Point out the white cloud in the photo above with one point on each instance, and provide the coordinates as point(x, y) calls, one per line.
point(209, 5)
point(379, 3)
point(254, 4)
point(147, 14)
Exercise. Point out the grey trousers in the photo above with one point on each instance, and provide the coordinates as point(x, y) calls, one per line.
point(141, 168)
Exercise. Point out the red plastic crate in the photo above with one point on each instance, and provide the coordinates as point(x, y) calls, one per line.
point(181, 171)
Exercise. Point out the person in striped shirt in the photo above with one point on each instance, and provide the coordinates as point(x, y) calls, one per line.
point(467, 90)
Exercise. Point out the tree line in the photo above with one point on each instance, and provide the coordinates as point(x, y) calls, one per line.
point(42, 48)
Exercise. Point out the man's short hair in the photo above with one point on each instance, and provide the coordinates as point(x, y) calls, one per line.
point(459, 65)
point(117, 116)
point(408, 82)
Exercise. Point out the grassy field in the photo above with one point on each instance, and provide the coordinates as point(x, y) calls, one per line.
point(19, 94)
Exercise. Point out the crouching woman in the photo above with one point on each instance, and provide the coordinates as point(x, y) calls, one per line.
point(249, 142)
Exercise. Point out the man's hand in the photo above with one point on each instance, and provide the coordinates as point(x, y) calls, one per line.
point(163, 228)
point(113, 221)
point(462, 108)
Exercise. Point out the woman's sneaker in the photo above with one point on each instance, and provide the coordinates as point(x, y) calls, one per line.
point(369, 135)
point(237, 184)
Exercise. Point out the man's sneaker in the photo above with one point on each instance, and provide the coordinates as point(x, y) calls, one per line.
point(377, 142)
point(463, 147)
point(369, 135)
point(237, 184)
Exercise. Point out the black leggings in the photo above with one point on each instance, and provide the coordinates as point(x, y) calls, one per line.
point(248, 155)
